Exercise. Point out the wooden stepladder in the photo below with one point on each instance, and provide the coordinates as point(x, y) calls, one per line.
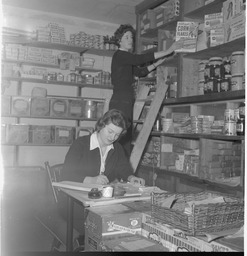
point(144, 134)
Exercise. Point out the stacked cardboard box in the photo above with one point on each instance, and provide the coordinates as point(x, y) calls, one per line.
point(111, 222)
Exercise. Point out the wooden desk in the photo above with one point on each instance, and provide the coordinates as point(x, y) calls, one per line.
point(82, 197)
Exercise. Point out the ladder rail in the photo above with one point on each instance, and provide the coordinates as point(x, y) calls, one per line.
point(150, 118)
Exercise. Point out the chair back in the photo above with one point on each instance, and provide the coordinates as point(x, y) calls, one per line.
point(54, 176)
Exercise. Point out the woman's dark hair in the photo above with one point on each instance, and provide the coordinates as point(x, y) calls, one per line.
point(121, 31)
point(115, 117)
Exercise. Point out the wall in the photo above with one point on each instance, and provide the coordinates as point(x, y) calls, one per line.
point(29, 20)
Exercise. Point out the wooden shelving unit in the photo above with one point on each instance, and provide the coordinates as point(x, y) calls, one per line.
point(199, 104)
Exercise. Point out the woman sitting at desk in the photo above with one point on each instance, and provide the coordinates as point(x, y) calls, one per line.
point(99, 158)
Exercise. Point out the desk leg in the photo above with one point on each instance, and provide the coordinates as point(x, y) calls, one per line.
point(69, 241)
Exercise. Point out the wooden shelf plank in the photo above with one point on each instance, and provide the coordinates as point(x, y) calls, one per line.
point(199, 13)
point(208, 98)
point(37, 145)
point(195, 136)
point(44, 81)
point(222, 50)
point(54, 117)
point(59, 47)
point(39, 64)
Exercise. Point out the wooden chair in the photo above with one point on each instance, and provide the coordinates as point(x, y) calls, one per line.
point(51, 219)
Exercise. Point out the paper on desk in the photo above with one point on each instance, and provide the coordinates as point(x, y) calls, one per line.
point(77, 185)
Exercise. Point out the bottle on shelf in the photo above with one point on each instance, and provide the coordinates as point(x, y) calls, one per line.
point(240, 126)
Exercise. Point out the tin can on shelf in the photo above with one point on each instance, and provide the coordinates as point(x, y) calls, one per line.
point(229, 115)
point(90, 109)
point(227, 67)
point(215, 61)
point(237, 82)
point(202, 64)
point(200, 89)
point(230, 128)
point(237, 62)
point(225, 84)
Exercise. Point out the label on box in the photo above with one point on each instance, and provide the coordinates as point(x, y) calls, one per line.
point(187, 31)
point(235, 28)
point(216, 37)
point(213, 19)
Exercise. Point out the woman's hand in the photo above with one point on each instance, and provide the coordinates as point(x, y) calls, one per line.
point(133, 179)
point(175, 46)
point(100, 179)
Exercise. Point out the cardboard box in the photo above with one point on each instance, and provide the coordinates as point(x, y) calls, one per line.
point(118, 220)
point(177, 240)
point(212, 20)
point(5, 105)
point(231, 8)
point(235, 28)
point(20, 106)
point(58, 107)
point(17, 133)
point(217, 36)
point(64, 135)
point(75, 108)
point(40, 106)
point(41, 134)
point(187, 31)
point(133, 244)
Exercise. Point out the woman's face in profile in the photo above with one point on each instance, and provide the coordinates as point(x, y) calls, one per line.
point(126, 41)
point(109, 134)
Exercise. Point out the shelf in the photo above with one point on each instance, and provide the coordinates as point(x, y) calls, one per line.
point(222, 50)
point(43, 81)
point(54, 117)
point(199, 13)
point(59, 47)
point(37, 145)
point(197, 179)
point(221, 97)
point(39, 64)
point(195, 136)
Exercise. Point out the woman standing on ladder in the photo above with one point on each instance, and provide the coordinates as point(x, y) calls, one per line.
point(124, 67)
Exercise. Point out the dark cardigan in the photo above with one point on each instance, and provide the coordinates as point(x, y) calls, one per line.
point(80, 162)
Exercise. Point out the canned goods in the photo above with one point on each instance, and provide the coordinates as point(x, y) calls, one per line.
point(237, 82)
point(107, 191)
point(237, 62)
point(230, 128)
point(225, 84)
point(90, 109)
point(215, 60)
point(227, 67)
point(229, 115)
point(218, 70)
point(200, 88)
point(167, 125)
point(201, 74)
point(210, 84)
point(202, 64)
